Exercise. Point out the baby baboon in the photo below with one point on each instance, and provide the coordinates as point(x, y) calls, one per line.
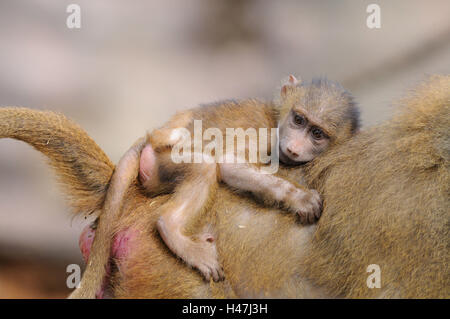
point(309, 116)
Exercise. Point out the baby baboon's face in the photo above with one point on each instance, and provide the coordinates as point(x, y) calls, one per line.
point(313, 115)
point(301, 140)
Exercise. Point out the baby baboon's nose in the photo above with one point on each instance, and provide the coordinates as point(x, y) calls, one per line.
point(292, 152)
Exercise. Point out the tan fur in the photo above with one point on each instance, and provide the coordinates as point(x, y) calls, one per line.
point(81, 166)
point(386, 202)
point(395, 187)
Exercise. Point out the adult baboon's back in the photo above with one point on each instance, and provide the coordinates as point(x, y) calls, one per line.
point(387, 202)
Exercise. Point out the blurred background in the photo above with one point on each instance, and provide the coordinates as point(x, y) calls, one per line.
point(132, 64)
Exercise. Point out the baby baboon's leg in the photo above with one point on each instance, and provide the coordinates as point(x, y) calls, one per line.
point(158, 173)
point(273, 189)
point(189, 200)
point(157, 170)
point(148, 168)
point(187, 204)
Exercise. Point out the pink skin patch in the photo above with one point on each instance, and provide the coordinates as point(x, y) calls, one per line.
point(121, 244)
point(85, 241)
point(146, 164)
point(119, 250)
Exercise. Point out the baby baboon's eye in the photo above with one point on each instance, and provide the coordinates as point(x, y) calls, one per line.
point(317, 133)
point(299, 120)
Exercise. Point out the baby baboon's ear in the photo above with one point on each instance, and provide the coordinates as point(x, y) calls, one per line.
point(292, 82)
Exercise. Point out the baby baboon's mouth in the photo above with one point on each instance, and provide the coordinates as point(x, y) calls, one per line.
point(286, 160)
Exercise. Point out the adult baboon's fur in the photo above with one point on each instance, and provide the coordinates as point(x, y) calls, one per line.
point(386, 202)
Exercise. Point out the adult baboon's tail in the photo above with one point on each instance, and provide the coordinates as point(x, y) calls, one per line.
point(83, 169)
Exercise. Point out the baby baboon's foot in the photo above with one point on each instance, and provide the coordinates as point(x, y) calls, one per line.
point(200, 254)
point(306, 203)
point(203, 256)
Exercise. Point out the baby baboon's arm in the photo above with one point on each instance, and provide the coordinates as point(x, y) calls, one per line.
point(273, 189)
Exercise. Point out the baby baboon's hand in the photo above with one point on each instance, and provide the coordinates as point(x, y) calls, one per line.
point(306, 203)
